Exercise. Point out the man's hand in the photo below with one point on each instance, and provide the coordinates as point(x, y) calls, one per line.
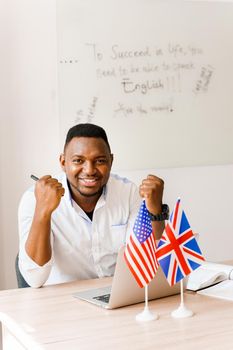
point(48, 193)
point(151, 189)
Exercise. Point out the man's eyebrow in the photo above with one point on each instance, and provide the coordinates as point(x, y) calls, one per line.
point(83, 156)
point(103, 156)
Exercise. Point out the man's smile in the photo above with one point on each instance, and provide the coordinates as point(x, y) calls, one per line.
point(88, 182)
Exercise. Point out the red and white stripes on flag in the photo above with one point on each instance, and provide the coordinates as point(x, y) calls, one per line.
point(140, 250)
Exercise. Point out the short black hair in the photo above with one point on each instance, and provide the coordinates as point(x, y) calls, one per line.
point(86, 130)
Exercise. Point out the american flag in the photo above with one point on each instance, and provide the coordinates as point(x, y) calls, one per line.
point(178, 252)
point(140, 250)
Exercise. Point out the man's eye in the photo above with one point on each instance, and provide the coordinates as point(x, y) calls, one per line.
point(78, 161)
point(101, 161)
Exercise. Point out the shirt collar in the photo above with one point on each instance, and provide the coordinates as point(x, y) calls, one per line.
point(67, 195)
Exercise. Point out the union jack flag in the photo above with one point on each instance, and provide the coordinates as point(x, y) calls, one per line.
point(140, 250)
point(178, 252)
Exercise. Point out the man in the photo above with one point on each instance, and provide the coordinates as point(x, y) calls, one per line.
point(72, 227)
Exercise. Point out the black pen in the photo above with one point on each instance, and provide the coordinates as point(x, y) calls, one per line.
point(34, 177)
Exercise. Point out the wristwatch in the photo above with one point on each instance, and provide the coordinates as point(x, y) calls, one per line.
point(164, 215)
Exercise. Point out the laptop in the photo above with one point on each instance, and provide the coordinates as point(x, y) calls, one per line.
point(125, 290)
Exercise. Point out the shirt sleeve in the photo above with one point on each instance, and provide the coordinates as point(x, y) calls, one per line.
point(34, 274)
point(135, 202)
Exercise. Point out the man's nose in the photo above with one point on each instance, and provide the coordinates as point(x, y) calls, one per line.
point(89, 168)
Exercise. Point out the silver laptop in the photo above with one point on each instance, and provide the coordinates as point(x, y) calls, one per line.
point(125, 290)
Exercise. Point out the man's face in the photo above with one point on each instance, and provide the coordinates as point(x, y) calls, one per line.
point(87, 163)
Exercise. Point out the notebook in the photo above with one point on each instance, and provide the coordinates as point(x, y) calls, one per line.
point(222, 290)
point(125, 290)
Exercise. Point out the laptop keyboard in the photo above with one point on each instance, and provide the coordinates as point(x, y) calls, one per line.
point(104, 298)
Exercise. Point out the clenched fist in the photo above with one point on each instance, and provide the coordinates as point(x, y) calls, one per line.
point(151, 189)
point(48, 193)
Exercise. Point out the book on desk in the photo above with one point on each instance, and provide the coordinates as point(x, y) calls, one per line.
point(212, 279)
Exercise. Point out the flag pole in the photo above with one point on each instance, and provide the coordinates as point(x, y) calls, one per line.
point(146, 314)
point(182, 311)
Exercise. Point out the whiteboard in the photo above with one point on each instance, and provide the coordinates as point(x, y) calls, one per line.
point(157, 75)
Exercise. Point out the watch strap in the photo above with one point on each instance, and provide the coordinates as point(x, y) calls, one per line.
point(164, 215)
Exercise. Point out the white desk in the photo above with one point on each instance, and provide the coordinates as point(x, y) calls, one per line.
point(50, 318)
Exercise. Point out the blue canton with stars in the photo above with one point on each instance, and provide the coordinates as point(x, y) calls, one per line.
point(142, 226)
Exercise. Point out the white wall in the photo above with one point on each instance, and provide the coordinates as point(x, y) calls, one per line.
point(29, 135)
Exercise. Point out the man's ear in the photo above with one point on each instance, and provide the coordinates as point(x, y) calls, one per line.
point(62, 161)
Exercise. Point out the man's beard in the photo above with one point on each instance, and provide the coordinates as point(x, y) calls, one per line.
point(88, 195)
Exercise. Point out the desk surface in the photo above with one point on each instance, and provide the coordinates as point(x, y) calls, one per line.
point(50, 318)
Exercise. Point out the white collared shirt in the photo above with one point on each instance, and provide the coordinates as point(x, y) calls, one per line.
point(81, 248)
